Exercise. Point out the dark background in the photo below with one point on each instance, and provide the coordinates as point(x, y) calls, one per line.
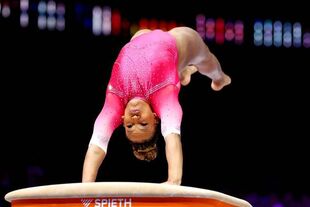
point(250, 137)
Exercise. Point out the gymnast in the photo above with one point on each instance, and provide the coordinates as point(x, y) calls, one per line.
point(142, 93)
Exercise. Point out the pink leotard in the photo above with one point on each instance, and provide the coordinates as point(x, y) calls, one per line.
point(145, 68)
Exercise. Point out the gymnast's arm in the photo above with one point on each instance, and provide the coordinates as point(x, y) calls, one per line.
point(174, 157)
point(106, 122)
point(167, 106)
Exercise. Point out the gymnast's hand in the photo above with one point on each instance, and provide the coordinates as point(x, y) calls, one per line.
point(172, 182)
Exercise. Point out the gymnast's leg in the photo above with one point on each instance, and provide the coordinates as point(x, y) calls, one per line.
point(194, 55)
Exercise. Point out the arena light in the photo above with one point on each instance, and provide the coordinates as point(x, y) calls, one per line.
point(219, 31)
point(281, 34)
point(24, 19)
point(172, 24)
point(239, 32)
point(153, 24)
point(267, 33)
point(306, 40)
point(51, 11)
point(24, 5)
point(163, 25)
point(42, 10)
point(277, 33)
point(50, 14)
point(60, 16)
point(210, 29)
point(258, 33)
point(116, 22)
point(42, 7)
point(42, 22)
point(229, 31)
point(201, 25)
point(297, 35)
point(97, 20)
point(51, 8)
point(106, 20)
point(143, 23)
point(51, 22)
point(6, 10)
point(287, 34)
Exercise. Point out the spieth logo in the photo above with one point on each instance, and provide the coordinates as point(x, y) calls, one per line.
point(86, 202)
point(108, 202)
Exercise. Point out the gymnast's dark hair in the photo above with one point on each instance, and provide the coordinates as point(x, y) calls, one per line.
point(147, 150)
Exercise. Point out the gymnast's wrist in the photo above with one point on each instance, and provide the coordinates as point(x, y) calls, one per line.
point(174, 181)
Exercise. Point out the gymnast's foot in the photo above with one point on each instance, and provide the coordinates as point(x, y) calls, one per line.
point(186, 74)
point(219, 84)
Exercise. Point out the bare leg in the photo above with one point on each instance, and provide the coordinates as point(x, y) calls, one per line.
point(195, 55)
point(208, 65)
point(212, 69)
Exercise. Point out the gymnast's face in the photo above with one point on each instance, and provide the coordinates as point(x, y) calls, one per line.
point(139, 121)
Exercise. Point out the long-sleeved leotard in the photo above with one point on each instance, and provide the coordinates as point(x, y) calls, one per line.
point(145, 68)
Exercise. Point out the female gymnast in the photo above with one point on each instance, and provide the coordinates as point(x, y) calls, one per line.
point(143, 91)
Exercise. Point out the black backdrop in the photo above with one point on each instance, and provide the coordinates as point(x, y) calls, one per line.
point(250, 137)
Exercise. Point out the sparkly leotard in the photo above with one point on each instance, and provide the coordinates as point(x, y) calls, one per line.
point(145, 68)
